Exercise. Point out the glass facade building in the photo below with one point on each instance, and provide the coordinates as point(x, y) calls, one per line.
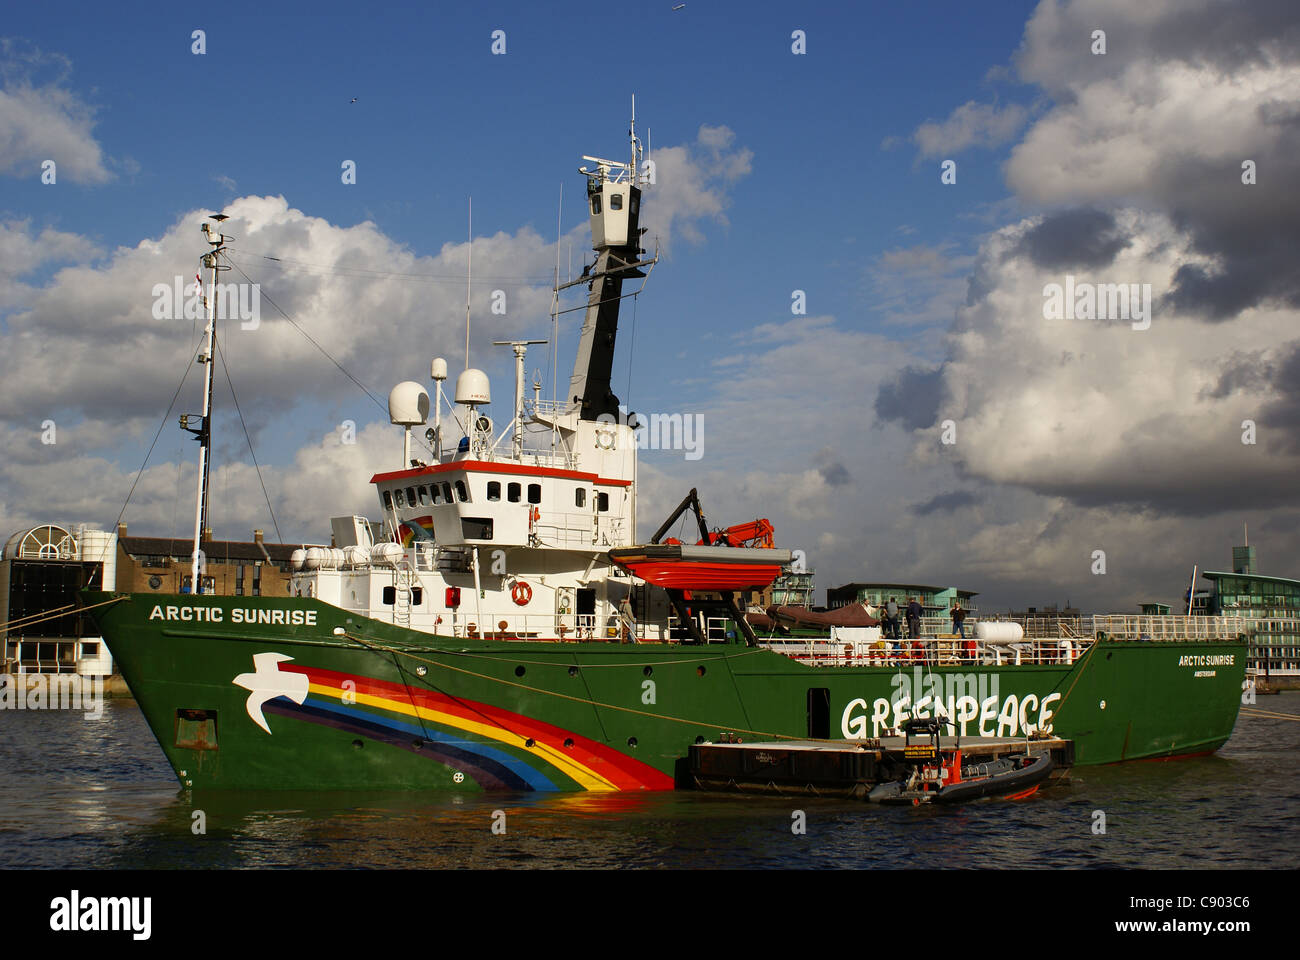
point(1270, 605)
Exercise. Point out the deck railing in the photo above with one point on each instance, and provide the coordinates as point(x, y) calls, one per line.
point(1119, 626)
point(931, 652)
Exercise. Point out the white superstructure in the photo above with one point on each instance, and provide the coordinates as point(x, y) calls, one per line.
point(506, 530)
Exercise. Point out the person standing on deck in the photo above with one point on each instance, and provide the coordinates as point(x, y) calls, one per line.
point(958, 619)
point(914, 612)
point(891, 619)
point(627, 619)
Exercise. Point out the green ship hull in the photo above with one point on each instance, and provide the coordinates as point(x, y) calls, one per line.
point(259, 693)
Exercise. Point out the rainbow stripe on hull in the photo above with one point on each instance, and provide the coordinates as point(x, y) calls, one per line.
point(466, 736)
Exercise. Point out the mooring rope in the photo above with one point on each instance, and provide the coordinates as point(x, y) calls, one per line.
point(54, 615)
point(1268, 714)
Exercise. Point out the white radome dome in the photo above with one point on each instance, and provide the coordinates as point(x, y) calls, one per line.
point(408, 404)
point(472, 387)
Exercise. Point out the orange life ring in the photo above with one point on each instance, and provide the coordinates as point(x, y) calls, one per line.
point(521, 593)
point(534, 514)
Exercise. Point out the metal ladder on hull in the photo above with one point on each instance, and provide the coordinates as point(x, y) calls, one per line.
point(402, 594)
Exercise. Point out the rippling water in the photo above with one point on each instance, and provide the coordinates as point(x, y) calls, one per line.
point(77, 793)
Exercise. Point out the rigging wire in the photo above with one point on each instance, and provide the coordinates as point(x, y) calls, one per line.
point(278, 537)
point(361, 386)
point(418, 277)
point(310, 338)
point(631, 345)
point(139, 473)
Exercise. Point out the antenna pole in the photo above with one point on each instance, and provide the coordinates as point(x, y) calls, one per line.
point(555, 297)
point(207, 357)
point(521, 350)
point(469, 272)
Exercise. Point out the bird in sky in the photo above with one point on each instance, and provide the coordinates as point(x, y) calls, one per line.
point(679, 6)
point(354, 99)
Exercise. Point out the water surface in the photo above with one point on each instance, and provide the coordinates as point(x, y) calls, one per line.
point(80, 793)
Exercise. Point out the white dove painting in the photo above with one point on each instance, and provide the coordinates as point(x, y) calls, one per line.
point(267, 682)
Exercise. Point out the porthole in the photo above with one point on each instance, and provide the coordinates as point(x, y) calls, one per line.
point(357, 744)
point(530, 743)
point(647, 671)
point(573, 671)
point(568, 741)
point(520, 671)
point(631, 741)
point(700, 670)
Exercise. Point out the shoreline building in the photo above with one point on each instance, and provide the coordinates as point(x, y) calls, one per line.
point(936, 601)
point(42, 569)
point(232, 568)
point(1270, 606)
point(792, 588)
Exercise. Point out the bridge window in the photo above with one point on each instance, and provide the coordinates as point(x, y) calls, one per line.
point(410, 495)
point(513, 492)
point(476, 528)
point(595, 203)
point(398, 498)
point(461, 493)
point(579, 497)
point(388, 504)
point(534, 493)
point(417, 595)
point(437, 494)
point(494, 490)
point(446, 492)
point(424, 495)
point(616, 201)
point(602, 502)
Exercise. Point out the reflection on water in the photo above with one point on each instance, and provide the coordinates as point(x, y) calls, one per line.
point(98, 793)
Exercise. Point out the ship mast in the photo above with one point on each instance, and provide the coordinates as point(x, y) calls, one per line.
point(521, 351)
point(614, 205)
point(207, 357)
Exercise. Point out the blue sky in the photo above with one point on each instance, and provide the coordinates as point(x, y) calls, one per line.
point(439, 119)
point(833, 188)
